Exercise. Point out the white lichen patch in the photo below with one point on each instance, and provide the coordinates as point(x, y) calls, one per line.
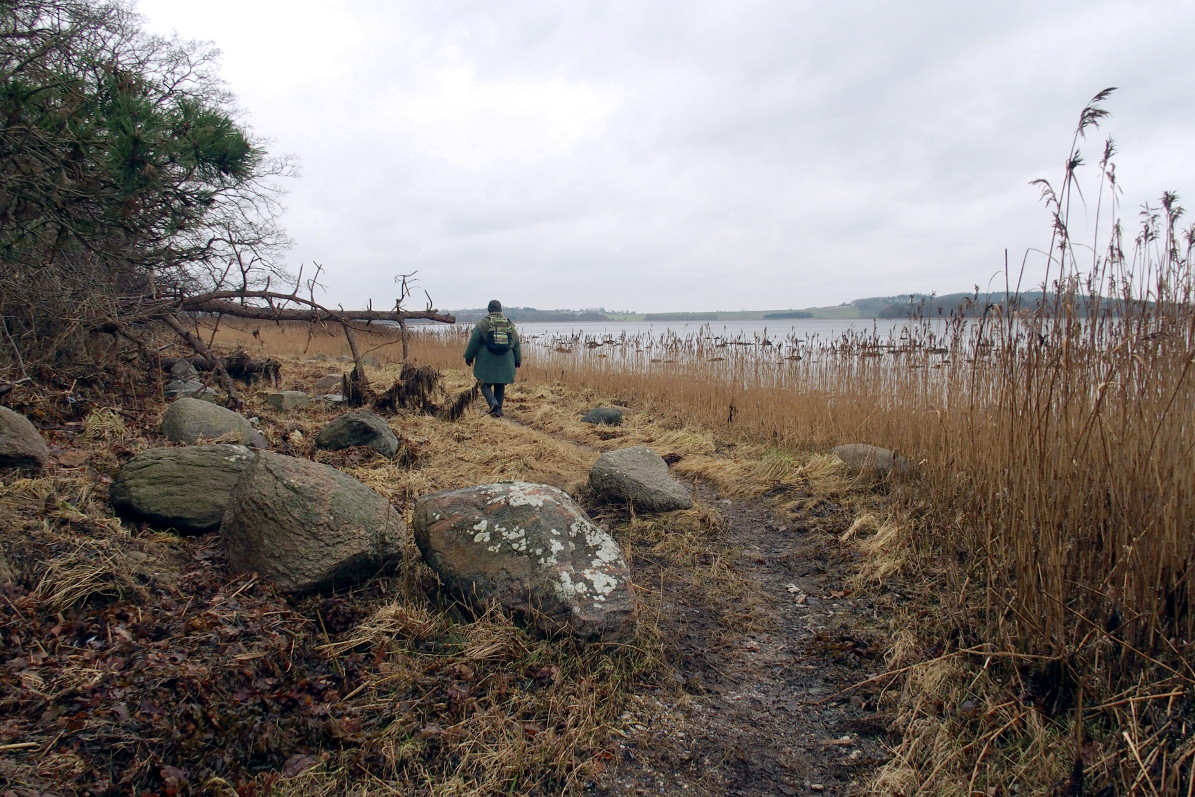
point(569, 590)
point(482, 534)
point(604, 547)
point(603, 583)
point(523, 494)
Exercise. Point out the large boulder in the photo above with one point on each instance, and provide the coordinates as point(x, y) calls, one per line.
point(21, 445)
point(360, 428)
point(190, 420)
point(185, 488)
point(640, 477)
point(866, 457)
point(307, 526)
point(530, 551)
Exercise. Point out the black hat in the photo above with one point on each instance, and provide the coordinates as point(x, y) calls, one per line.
point(494, 306)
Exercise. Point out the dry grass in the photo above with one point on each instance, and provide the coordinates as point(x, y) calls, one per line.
point(439, 702)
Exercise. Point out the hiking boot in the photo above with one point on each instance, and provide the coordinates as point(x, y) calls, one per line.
point(496, 412)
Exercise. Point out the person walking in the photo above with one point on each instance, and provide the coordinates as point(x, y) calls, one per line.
point(494, 352)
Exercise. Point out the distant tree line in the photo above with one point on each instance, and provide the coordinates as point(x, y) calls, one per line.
point(532, 315)
point(681, 317)
point(789, 314)
point(981, 304)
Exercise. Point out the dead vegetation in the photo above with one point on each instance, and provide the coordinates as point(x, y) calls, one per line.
point(134, 663)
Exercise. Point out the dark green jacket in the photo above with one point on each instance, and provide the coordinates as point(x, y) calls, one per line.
point(490, 368)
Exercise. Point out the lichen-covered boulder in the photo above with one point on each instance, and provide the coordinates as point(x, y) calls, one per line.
point(865, 457)
point(183, 488)
point(610, 416)
point(307, 526)
point(640, 477)
point(532, 552)
point(360, 428)
point(21, 445)
point(190, 420)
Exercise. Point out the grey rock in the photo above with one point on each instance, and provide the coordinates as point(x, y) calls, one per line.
point(372, 362)
point(530, 551)
point(327, 384)
point(189, 420)
point(21, 445)
point(306, 526)
point(866, 457)
point(333, 398)
point(640, 477)
point(611, 416)
point(192, 389)
point(287, 399)
point(360, 428)
point(183, 370)
point(181, 488)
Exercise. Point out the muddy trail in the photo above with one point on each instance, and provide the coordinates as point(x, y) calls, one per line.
point(770, 678)
point(772, 703)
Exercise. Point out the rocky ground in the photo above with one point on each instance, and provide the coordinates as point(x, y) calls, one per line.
point(162, 674)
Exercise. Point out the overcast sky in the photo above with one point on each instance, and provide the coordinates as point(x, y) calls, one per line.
point(687, 154)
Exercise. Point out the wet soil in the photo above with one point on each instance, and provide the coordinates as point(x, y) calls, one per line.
point(774, 699)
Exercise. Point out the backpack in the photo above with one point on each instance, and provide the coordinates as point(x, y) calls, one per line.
point(499, 335)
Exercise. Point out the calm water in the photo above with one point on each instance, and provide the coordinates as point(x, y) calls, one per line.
point(799, 328)
point(641, 342)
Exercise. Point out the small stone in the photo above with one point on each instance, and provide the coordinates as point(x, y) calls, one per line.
point(610, 416)
point(327, 384)
point(638, 476)
point(21, 444)
point(360, 428)
point(287, 399)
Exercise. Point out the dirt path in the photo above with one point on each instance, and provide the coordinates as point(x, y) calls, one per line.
point(762, 712)
point(765, 698)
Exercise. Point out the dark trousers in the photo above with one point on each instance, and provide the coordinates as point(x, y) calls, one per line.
point(494, 394)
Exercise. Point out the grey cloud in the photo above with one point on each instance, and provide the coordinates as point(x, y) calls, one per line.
point(699, 154)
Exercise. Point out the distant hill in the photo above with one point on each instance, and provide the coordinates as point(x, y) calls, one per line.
point(977, 305)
